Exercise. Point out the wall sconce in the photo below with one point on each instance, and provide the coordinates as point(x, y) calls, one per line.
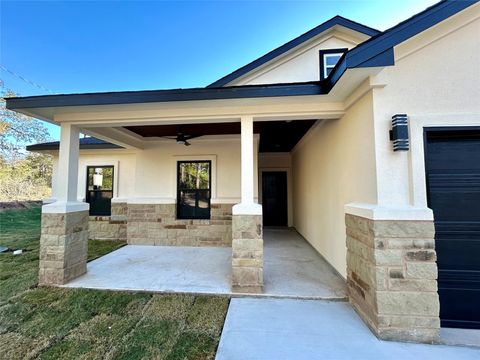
point(399, 132)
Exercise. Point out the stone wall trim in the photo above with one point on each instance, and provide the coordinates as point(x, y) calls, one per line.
point(391, 277)
point(63, 247)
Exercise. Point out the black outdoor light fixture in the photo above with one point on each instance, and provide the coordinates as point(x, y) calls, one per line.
point(399, 132)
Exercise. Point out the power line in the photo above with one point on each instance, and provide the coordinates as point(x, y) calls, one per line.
point(33, 83)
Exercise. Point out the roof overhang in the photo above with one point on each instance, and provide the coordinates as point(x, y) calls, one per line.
point(113, 108)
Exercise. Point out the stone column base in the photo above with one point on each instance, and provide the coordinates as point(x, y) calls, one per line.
point(63, 247)
point(247, 254)
point(391, 277)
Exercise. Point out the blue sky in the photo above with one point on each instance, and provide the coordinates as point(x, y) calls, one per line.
point(89, 46)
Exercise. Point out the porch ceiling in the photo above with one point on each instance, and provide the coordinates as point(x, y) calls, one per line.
point(275, 136)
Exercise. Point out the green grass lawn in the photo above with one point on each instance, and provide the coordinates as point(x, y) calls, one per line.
point(55, 323)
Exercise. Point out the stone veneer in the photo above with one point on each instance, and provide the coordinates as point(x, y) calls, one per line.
point(63, 247)
point(156, 224)
point(112, 227)
point(247, 254)
point(391, 277)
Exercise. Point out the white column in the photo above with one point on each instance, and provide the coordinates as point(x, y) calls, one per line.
point(247, 205)
point(66, 187)
point(247, 159)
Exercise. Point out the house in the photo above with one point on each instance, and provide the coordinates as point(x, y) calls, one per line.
point(365, 142)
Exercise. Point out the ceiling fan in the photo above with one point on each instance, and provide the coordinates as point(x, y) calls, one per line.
point(182, 139)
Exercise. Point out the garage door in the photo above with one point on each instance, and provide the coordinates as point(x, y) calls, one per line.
point(453, 184)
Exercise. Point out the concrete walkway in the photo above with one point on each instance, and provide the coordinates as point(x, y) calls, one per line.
point(305, 329)
point(292, 269)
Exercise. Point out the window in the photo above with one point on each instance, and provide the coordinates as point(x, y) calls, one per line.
point(193, 189)
point(99, 189)
point(328, 59)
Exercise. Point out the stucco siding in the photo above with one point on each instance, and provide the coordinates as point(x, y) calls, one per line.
point(124, 168)
point(150, 173)
point(435, 81)
point(332, 166)
point(156, 167)
point(303, 64)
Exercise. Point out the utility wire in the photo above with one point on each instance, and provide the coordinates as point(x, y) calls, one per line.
point(33, 83)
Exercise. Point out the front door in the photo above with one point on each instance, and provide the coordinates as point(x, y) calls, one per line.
point(99, 189)
point(274, 198)
point(453, 183)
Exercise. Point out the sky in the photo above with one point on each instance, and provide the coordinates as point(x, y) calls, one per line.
point(49, 47)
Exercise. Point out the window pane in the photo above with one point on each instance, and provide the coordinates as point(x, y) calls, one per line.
point(90, 178)
point(203, 175)
point(203, 199)
point(332, 59)
point(107, 178)
point(328, 71)
point(100, 178)
point(193, 190)
point(194, 175)
point(186, 204)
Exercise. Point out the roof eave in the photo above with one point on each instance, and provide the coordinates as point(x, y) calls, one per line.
point(149, 96)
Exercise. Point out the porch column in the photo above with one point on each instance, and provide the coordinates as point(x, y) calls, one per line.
point(391, 271)
point(247, 234)
point(64, 234)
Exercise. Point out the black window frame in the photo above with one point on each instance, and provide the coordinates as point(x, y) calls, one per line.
point(87, 191)
point(322, 54)
point(179, 190)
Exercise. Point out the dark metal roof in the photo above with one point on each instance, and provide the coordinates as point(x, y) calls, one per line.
point(146, 96)
point(337, 20)
point(378, 50)
point(85, 143)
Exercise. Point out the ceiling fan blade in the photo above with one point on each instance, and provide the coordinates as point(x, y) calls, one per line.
point(192, 136)
point(187, 143)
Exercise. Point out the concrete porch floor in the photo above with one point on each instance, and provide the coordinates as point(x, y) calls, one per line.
point(292, 268)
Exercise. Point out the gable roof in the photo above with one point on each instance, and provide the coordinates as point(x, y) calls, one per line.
point(336, 20)
point(85, 143)
point(378, 50)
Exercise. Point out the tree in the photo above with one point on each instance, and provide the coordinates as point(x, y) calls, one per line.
point(17, 131)
point(23, 176)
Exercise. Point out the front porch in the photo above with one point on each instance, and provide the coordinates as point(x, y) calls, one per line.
point(292, 268)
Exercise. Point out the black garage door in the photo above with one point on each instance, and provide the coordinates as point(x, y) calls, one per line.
point(453, 184)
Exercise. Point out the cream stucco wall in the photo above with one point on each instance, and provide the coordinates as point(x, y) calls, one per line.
point(149, 175)
point(156, 167)
point(124, 163)
point(301, 64)
point(435, 81)
point(334, 164)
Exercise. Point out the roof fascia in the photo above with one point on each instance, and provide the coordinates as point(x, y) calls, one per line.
point(337, 20)
point(132, 97)
point(56, 146)
point(378, 51)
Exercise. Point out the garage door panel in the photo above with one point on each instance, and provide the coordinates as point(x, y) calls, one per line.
point(455, 191)
point(449, 258)
point(456, 149)
point(458, 245)
point(466, 314)
point(453, 185)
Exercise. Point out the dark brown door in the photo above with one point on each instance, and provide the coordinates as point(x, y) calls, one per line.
point(274, 198)
point(453, 182)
